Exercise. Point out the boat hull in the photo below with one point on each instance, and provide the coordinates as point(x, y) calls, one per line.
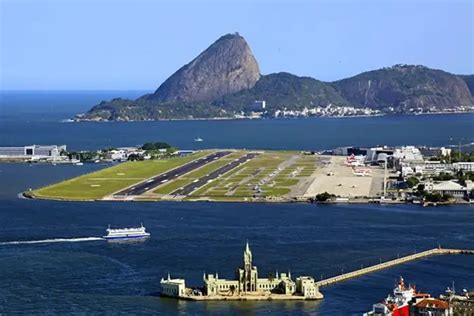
point(125, 237)
point(402, 311)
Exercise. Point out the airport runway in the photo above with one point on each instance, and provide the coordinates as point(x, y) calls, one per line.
point(188, 189)
point(151, 183)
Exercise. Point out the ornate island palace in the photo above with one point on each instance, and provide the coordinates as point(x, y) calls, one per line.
point(246, 286)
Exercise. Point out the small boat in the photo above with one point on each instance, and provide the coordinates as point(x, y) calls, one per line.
point(79, 164)
point(126, 233)
point(199, 139)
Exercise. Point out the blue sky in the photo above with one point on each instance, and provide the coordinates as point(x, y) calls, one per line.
point(136, 44)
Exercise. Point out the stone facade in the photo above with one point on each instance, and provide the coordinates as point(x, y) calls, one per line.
point(307, 287)
point(173, 287)
point(247, 282)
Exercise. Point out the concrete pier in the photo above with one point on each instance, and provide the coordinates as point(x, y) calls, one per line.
point(391, 263)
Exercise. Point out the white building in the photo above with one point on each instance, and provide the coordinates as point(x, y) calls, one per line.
point(407, 171)
point(408, 154)
point(37, 151)
point(445, 151)
point(374, 152)
point(173, 287)
point(450, 188)
point(427, 168)
point(434, 168)
point(122, 153)
point(117, 155)
point(33, 152)
point(307, 287)
point(464, 166)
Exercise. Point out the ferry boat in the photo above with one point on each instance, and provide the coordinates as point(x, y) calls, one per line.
point(126, 233)
point(198, 139)
point(396, 305)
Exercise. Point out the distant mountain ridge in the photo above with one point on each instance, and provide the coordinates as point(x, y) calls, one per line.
point(284, 90)
point(469, 79)
point(405, 86)
point(224, 80)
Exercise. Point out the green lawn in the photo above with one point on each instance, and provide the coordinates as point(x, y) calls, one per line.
point(98, 184)
point(201, 172)
point(286, 182)
point(237, 184)
point(276, 191)
point(171, 186)
point(257, 169)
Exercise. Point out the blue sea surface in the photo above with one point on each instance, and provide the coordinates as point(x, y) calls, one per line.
point(191, 238)
point(35, 118)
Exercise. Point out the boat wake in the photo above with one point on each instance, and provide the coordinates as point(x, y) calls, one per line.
point(50, 241)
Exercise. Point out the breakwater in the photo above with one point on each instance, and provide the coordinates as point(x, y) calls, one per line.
point(391, 263)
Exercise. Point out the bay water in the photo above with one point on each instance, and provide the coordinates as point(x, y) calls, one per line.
point(73, 270)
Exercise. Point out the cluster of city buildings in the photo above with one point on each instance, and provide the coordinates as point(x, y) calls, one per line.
point(137, 153)
point(246, 285)
point(455, 109)
point(412, 163)
point(421, 163)
point(329, 110)
point(258, 109)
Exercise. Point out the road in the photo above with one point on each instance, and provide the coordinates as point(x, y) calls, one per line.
point(152, 183)
point(187, 189)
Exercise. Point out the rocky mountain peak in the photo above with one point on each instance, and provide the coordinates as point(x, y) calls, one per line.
point(225, 67)
point(405, 87)
point(224, 81)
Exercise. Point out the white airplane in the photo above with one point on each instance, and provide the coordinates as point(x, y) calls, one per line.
point(354, 161)
point(361, 172)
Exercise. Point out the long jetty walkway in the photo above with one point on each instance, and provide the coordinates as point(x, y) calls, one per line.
point(391, 263)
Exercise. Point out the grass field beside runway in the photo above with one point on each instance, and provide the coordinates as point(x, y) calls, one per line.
point(196, 174)
point(99, 184)
point(271, 174)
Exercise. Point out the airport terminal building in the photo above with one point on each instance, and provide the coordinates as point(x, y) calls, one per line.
point(32, 152)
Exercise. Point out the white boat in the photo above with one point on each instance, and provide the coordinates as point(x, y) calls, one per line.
point(126, 233)
point(199, 139)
